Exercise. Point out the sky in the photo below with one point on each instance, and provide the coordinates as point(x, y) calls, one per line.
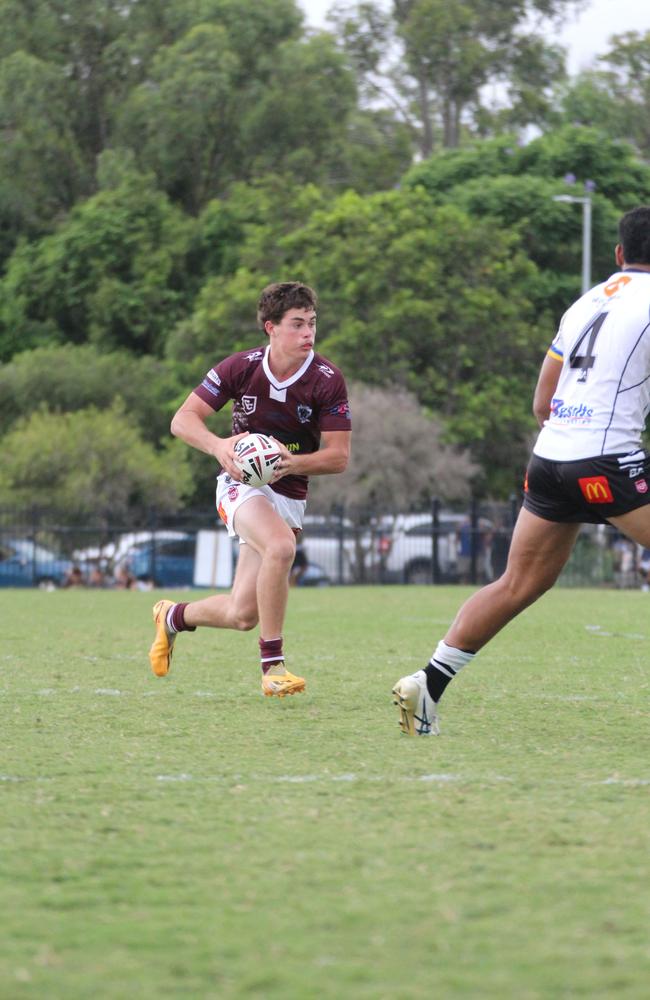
point(584, 35)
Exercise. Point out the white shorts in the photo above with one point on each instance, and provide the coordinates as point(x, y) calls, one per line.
point(231, 495)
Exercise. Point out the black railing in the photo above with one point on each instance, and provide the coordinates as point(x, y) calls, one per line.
point(434, 545)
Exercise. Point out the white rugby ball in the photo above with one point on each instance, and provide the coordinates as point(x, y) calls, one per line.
point(256, 457)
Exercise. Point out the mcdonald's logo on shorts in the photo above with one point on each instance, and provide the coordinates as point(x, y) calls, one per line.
point(595, 489)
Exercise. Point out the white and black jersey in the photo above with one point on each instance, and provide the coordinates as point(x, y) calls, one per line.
point(603, 394)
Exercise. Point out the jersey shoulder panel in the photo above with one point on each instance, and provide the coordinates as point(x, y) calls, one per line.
point(332, 394)
point(228, 377)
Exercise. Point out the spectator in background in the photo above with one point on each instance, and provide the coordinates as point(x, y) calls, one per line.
point(74, 578)
point(124, 579)
point(96, 577)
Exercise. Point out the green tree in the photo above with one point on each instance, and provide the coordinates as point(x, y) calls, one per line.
point(41, 167)
point(431, 59)
point(423, 298)
point(297, 119)
point(237, 250)
point(70, 377)
point(114, 273)
point(182, 122)
point(89, 462)
point(515, 185)
point(435, 301)
point(615, 96)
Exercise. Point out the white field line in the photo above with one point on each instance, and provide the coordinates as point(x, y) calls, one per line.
point(240, 781)
point(302, 779)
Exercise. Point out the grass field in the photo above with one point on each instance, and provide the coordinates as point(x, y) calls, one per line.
point(185, 837)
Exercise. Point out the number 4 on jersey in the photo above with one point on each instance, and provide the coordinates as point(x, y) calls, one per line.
point(586, 361)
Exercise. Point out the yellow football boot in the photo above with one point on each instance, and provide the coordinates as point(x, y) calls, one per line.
point(160, 654)
point(281, 683)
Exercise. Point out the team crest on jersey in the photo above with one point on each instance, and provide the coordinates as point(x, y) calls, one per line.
point(249, 403)
point(304, 413)
point(326, 370)
point(254, 355)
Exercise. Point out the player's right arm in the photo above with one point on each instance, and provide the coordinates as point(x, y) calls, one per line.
point(189, 424)
point(549, 376)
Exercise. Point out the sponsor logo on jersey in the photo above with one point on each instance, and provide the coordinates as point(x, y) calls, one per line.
point(595, 489)
point(641, 486)
point(249, 403)
point(207, 384)
point(340, 410)
point(304, 413)
point(214, 377)
point(254, 356)
point(578, 414)
point(326, 370)
point(615, 286)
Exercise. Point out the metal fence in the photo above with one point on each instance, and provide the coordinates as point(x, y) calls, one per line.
point(431, 545)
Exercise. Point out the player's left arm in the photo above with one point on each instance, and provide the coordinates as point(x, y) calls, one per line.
point(333, 456)
point(549, 376)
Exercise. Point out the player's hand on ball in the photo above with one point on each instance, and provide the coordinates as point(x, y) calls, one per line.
point(284, 466)
point(226, 456)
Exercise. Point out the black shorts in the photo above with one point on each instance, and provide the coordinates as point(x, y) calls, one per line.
point(589, 490)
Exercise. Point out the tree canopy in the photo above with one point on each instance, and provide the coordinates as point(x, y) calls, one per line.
point(161, 163)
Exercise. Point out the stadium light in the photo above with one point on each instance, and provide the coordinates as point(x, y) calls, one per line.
point(586, 234)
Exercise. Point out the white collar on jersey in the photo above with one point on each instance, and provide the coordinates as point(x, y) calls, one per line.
point(294, 378)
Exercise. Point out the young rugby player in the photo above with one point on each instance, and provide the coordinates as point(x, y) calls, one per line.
point(298, 397)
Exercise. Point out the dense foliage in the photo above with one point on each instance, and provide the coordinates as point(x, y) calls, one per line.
point(161, 163)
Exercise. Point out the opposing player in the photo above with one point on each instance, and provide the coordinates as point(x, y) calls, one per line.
point(591, 401)
point(298, 397)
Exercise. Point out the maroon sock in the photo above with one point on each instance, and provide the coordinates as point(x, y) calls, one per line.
point(176, 619)
point(270, 653)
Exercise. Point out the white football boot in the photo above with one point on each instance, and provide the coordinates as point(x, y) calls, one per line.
point(417, 709)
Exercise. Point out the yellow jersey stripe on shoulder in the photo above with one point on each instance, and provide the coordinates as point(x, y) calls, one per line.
point(555, 353)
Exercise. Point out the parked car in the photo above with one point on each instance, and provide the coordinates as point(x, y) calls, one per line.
point(166, 562)
point(23, 563)
point(113, 552)
point(406, 547)
point(339, 547)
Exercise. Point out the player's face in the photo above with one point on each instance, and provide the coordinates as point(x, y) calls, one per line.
point(295, 333)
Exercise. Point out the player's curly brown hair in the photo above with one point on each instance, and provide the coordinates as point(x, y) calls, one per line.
point(278, 298)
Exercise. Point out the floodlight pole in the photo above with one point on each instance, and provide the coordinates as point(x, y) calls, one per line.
point(586, 234)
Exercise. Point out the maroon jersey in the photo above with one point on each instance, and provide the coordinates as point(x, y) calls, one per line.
point(295, 411)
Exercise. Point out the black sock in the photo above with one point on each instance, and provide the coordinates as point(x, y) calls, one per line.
point(437, 681)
